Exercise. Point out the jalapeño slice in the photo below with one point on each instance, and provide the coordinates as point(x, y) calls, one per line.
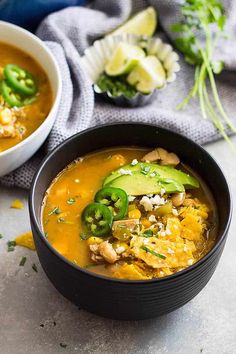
point(97, 219)
point(20, 80)
point(115, 199)
point(12, 98)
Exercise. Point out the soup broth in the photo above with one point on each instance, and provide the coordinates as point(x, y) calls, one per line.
point(24, 120)
point(157, 235)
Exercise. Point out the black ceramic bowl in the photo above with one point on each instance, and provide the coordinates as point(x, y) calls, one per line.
point(127, 299)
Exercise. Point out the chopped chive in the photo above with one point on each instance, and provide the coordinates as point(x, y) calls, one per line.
point(11, 246)
point(22, 262)
point(145, 169)
point(87, 266)
point(84, 236)
point(34, 267)
point(46, 221)
point(153, 252)
point(21, 130)
point(61, 220)
point(55, 210)
point(10, 249)
point(63, 345)
point(71, 201)
point(147, 233)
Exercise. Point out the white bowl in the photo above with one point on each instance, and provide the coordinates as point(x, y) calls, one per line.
point(16, 36)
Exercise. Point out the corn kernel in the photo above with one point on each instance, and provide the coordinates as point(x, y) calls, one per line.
point(17, 204)
point(146, 223)
point(134, 214)
point(5, 116)
point(132, 207)
point(94, 240)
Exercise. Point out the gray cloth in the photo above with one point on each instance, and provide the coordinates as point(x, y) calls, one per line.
point(68, 32)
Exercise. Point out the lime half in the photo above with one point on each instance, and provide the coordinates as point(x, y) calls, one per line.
point(143, 23)
point(123, 60)
point(147, 75)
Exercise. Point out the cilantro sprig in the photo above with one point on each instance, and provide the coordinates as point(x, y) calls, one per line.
point(116, 86)
point(200, 30)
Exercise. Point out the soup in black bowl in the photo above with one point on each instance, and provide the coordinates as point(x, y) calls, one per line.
point(142, 229)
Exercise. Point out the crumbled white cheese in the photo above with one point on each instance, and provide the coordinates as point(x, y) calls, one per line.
point(170, 251)
point(157, 200)
point(152, 174)
point(190, 262)
point(162, 191)
point(152, 218)
point(185, 248)
point(162, 233)
point(168, 232)
point(120, 249)
point(175, 212)
point(134, 162)
point(131, 198)
point(146, 202)
point(125, 172)
point(145, 242)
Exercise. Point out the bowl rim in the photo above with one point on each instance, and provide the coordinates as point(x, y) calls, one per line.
point(57, 98)
point(222, 236)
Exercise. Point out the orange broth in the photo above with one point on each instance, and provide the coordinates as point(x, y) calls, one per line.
point(80, 181)
point(31, 116)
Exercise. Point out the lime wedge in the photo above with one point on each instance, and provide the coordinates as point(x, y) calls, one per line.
point(143, 23)
point(147, 75)
point(124, 58)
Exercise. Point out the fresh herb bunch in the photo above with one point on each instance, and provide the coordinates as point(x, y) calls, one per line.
point(201, 28)
point(117, 86)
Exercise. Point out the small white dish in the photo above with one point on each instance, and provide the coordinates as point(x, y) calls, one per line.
point(18, 37)
point(95, 58)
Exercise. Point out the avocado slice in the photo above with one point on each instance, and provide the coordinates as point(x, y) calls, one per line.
point(161, 171)
point(140, 184)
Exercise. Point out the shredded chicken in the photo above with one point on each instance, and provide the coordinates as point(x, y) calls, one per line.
point(107, 252)
point(162, 156)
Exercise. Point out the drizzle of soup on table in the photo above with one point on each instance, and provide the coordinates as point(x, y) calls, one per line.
point(25, 96)
point(129, 213)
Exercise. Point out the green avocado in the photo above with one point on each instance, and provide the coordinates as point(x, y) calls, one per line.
point(140, 184)
point(161, 171)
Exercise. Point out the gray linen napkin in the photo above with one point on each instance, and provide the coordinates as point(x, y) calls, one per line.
point(70, 31)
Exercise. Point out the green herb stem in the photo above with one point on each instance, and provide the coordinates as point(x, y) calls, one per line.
point(216, 95)
point(154, 253)
point(22, 262)
point(216, 120)
point(201, 15)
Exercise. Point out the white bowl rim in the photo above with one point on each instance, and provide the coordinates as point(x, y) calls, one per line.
point(58, 93)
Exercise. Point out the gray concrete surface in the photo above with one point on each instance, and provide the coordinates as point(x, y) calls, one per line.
point(36, 319)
